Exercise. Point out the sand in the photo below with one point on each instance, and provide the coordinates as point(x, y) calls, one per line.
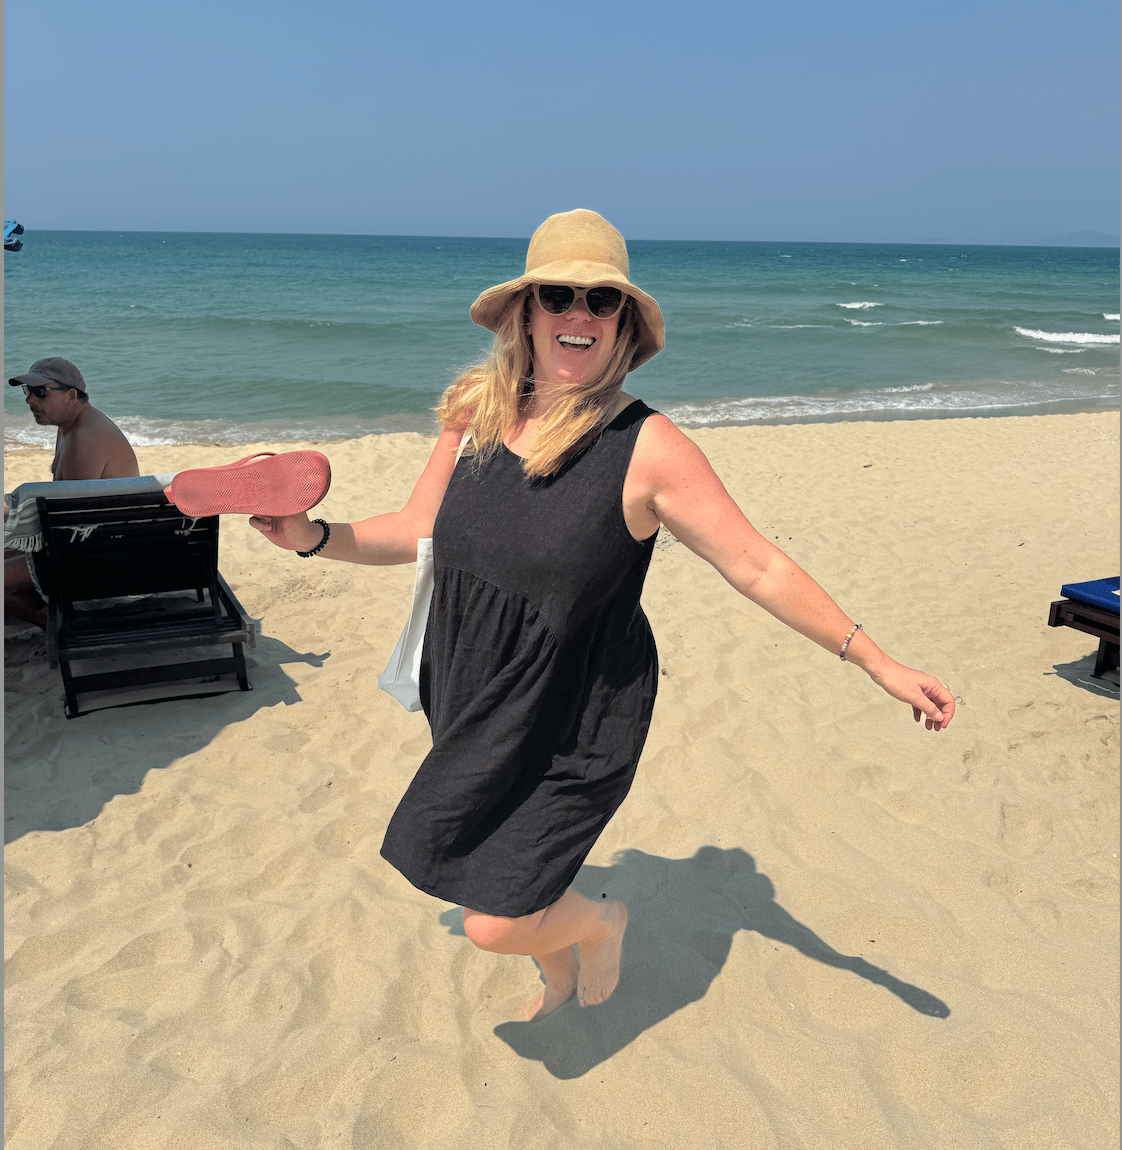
point(846, 932)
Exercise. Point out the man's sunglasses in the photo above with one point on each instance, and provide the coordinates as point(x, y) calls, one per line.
point(557, 299)
point(39, 390)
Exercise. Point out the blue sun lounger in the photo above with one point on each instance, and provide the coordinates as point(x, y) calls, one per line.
point(1091, 607)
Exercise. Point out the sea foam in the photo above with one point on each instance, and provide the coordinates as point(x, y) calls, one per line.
point(1088, 337)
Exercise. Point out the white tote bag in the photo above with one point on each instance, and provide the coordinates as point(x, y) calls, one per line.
point(401, 678)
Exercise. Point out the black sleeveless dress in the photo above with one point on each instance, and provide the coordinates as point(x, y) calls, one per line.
point(538, 677)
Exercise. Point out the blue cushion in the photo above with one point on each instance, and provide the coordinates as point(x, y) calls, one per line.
point(1098, 592)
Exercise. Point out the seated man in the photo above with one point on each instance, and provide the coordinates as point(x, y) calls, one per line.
point(88, 445)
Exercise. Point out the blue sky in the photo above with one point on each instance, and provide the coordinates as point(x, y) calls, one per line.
point(866, 121)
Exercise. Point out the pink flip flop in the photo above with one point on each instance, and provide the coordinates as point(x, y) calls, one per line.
point(262, 484)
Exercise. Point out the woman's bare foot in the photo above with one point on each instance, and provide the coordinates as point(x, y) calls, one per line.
point(595, 928)
point(599, 961)
point(559, 973)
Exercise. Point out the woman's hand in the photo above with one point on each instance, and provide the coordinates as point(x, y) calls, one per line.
point(381, 539)
point(926, 695)
point(290, 532)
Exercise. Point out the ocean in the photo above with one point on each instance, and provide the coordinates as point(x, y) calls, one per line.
point(232, 338)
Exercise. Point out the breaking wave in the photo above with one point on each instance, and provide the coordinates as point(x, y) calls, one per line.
point(1087, 337)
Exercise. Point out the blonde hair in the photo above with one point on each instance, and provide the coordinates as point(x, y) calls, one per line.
point(486, 399)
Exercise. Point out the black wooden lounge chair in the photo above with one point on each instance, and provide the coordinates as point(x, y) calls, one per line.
point(1091, 607)
point(114, 570)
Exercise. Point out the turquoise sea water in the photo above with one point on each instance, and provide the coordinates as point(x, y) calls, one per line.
point(239, 338)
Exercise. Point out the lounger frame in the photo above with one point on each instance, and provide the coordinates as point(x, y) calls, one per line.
point(114, 570)
point(1091, 620)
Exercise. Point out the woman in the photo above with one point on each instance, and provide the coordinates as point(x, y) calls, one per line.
point(539, 670)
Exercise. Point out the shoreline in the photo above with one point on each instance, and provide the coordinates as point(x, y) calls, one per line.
point(1057, 408)
point(843, 930)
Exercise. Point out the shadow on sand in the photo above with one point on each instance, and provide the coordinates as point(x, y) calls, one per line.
point(1078, 673)
point(48, 781)
point(698, 905)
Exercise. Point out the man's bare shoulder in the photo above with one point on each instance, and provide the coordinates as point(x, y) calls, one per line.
point(95, 448)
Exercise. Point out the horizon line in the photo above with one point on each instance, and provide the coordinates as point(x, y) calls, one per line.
point(1110, 241)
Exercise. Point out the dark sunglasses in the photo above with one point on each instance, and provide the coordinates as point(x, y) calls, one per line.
point(39, 390)
point(557, 299)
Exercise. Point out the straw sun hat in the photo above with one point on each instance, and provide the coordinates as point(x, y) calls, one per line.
point(582, 249)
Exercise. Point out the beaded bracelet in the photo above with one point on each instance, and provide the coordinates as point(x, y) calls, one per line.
point(327, 535)
point(845, 643)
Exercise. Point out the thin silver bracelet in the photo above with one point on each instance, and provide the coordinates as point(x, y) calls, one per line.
point(327, 535)
point(841, 654)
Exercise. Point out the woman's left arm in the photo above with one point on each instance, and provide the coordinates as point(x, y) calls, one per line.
point(671, 482)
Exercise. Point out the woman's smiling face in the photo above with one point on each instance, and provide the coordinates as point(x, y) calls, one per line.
point(573, 347)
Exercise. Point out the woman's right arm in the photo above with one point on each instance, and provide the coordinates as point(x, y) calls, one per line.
point(382, 539)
